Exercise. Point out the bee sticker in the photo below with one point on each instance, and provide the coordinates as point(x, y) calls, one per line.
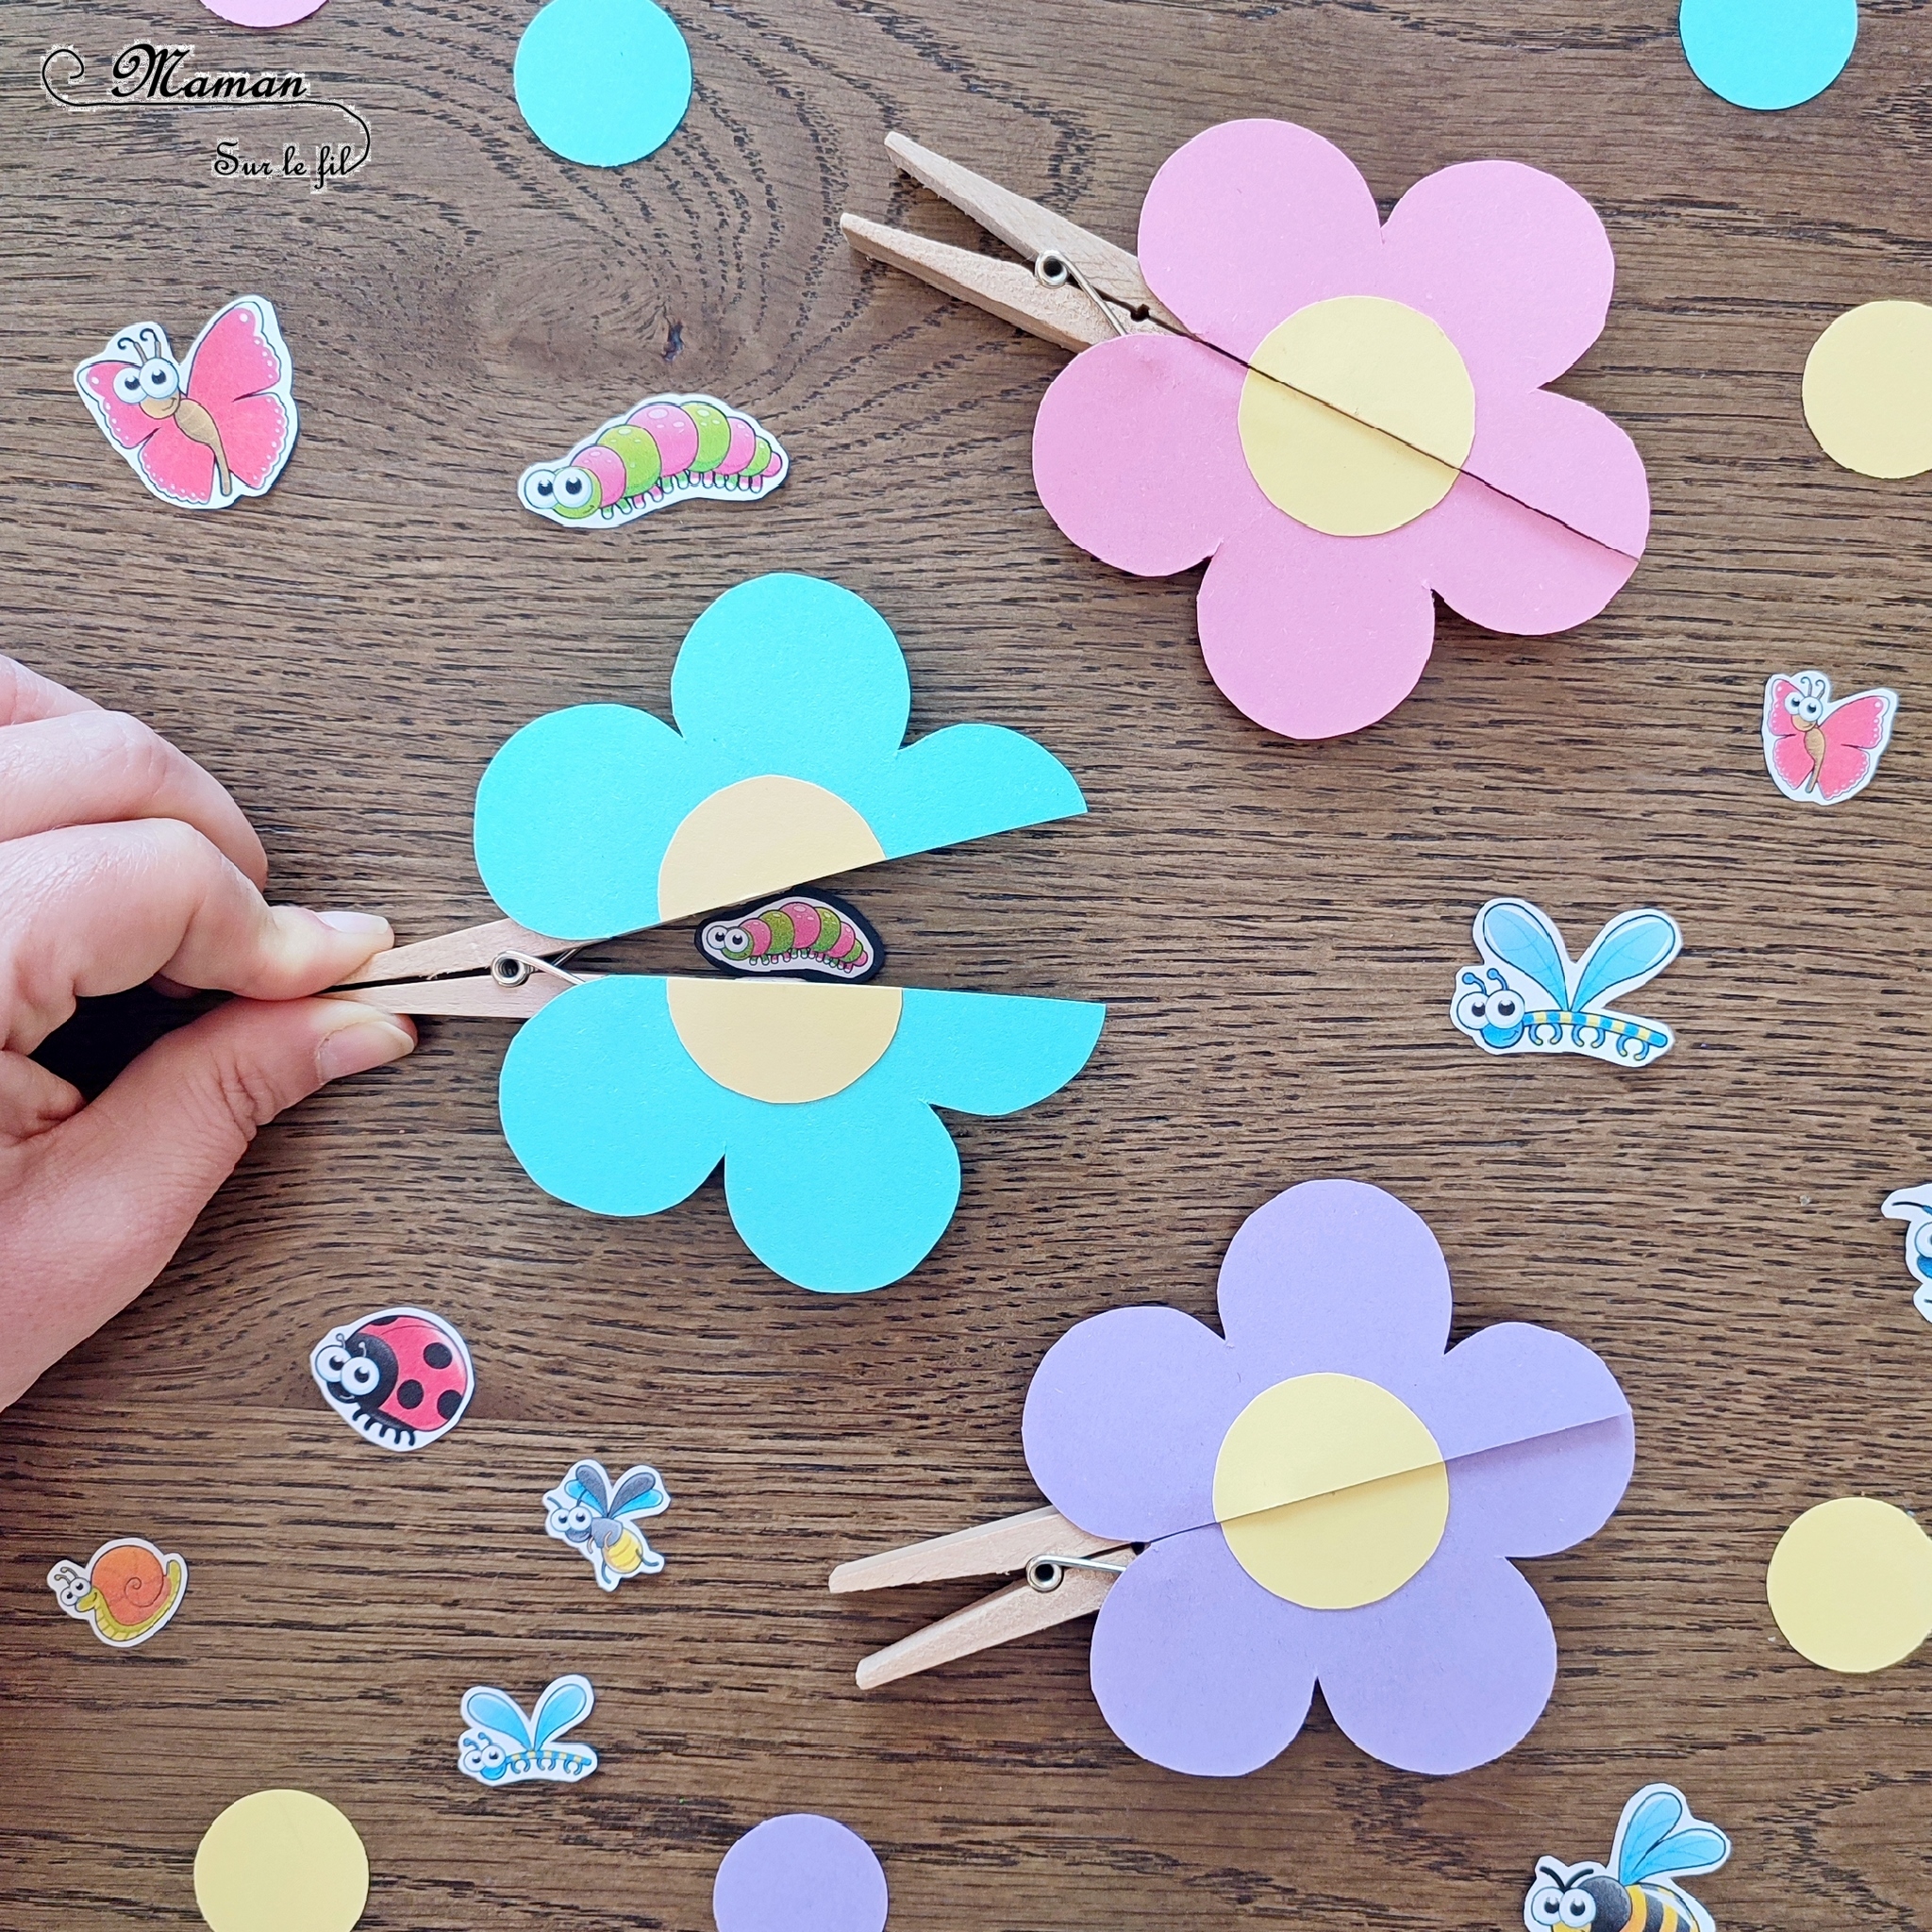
point(402, 1378)
point(667, 450)
point(798, 937)
point(1818, 752)
point(504, 1747)
point(1658, 1844)
point(1913, 1205)
point(594, 1514)
point(1529, 997)
point(127, 1590)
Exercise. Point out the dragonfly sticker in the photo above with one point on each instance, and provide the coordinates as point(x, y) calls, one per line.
point(504, 1747)
point(1528, 995)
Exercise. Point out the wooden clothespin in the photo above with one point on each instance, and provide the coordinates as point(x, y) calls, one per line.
point(1077, 290)
point(502, 971)
point(1068, 1573)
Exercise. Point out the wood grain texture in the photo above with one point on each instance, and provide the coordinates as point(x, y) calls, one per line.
point(1275, 927)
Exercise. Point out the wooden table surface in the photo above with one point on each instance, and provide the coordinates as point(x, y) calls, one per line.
point(1274, 926)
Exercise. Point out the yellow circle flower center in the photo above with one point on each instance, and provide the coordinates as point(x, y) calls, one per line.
point(1357, 415)
point(1868, 388)
point(783, 1040)
point(1331, 1491)
point(1851, 1585)
point(760, 835)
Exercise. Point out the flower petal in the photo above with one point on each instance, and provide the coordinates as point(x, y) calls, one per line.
point(990, 1053)
point(1449, 1673)
point(1314, 636)
point(1538, 1436)
point(845, 1194)
point(1252, 221)
point(1124, 1417)
point(965, 782)
point(1511, 262)
point(1546, 525)
point(1339, 1277)
point(604, 1107)
point(1137, 453)
point(791, 675)
point(1195, 1666)
point(574, 816)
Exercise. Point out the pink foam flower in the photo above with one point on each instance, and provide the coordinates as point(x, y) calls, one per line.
point(1522, 509)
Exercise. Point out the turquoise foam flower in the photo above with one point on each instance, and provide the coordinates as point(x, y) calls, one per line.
point(611, 1096)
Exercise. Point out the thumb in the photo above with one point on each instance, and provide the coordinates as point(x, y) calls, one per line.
point(107, 1196)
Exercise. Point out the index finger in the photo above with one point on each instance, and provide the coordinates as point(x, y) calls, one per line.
point(26, 697)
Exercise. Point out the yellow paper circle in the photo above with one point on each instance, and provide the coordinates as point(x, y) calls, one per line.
point(760, 835)
point(1331, 1491)
point(1868, 390)
point(1851, 1585)
point(783, 1040)
point(281, 1862)
point(1357, 415)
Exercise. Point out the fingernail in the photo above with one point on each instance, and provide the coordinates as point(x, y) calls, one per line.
point(358, 922)
point(369, 1042)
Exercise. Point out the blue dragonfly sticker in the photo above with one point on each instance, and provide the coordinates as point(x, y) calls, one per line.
point(1528, 995)
point(1658, 1843)
point(504, 1747)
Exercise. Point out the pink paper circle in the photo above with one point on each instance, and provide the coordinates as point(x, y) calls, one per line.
point(262, 12)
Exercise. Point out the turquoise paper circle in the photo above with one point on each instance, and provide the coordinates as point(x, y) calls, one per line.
point(1768, 54)
point(603, 81)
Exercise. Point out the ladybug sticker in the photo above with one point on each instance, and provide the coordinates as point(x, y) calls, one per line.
point(402, 1379)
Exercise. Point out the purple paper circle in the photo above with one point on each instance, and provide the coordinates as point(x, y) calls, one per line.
point(800, 1874)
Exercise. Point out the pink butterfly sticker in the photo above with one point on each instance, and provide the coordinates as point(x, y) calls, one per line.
point(1818, 752)
point(217, 425)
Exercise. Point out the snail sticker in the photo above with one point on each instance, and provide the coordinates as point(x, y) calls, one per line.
point(504, 1747)
point(801, 936)
point(207, 428)
point(1528, 996)
point(1818, 752)
point(127, 1590)
point(594, 1514)
point(402, 1379)
point(1913, 1205)
point(1658, 1841)
point(667, 450)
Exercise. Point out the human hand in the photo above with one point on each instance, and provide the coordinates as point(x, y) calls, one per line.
point(122, 860)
